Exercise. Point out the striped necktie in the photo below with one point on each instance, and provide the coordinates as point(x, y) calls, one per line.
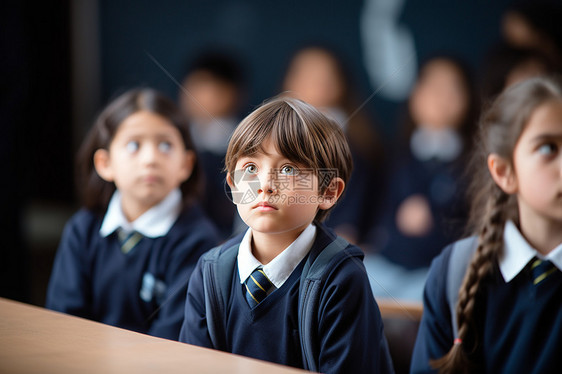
point(541, 269)
point(257, 287)
point(128, 240)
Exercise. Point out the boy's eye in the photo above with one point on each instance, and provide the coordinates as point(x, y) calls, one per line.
point(165, 147)
point(547, 149)
point(289, 170)
point(132, 146)
point(251, 169)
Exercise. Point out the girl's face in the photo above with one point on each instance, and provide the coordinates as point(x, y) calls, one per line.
point(537, 160)
point(439, 99)
point(146, 160)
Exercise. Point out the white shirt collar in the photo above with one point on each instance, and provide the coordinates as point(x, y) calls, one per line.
point(443, 144)
point(518, 252)
point(280, 268)
point(153, 223)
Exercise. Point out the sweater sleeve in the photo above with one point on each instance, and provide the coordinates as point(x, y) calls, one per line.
point(180, 267)
point(350, 325)
point(435, 334)
point(194, 329)
point(69, 289)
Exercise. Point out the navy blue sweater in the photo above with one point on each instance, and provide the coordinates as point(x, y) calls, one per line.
point(440, 184)
point(350, 330)
point(519, 325)
point(143, 290)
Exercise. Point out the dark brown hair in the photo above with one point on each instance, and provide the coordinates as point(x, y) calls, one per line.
point(500, 128)
point(300, 133)
point(97, 192)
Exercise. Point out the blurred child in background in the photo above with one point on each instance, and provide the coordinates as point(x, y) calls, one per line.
point(211, 96)
point(126, 258)
point(506, 65)
point(423, 203)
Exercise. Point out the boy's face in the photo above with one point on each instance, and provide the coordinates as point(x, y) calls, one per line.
point(146, 160)
point(275, 195)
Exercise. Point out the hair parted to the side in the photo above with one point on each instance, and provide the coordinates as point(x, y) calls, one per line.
point(499, 130)
point(300, 133)
point(95, 191)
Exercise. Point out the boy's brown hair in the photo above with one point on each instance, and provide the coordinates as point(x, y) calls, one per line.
point(301, 133)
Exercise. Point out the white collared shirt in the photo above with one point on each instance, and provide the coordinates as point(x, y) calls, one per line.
point(153, 223)
point(280, 268)
point(518, 252)
point(443, 144)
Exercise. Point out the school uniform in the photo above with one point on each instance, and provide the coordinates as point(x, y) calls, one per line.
point(438, 180)
point(518, 323)
point(433, 171)
point(130, 275)
point(349, 327)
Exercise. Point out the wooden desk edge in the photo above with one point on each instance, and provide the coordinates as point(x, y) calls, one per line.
point(11, 311)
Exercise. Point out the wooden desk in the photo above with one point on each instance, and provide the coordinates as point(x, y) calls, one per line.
point(400, 309)
point(36, 340)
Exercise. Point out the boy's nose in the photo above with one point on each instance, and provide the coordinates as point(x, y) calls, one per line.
point(267, 183)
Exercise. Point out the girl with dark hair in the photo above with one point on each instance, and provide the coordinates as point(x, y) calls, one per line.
point(125, 258)
point(423, 206)
point(508, 317)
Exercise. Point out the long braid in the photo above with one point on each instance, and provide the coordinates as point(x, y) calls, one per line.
point(489, 248)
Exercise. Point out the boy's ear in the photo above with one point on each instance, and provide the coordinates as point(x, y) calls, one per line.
point(188, 164)
point(102, 164)
point(332, 193)
point(229, 180)
point(503, 173)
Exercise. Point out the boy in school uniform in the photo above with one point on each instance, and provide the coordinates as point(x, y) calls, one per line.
point(287, 166)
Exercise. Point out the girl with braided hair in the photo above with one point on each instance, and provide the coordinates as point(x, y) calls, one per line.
point(509, 310)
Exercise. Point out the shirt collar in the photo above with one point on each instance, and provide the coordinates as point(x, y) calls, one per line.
point(518, 252)
point(444, 144)
point(280, 268)
point(153, 223)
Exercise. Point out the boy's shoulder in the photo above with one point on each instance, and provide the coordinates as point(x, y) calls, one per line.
point(332, 250)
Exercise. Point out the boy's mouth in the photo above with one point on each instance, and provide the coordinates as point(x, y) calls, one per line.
point(264, 206)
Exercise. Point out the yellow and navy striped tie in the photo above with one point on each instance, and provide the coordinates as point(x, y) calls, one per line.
point(128, 240)
point(257, 287)
point(541, 269)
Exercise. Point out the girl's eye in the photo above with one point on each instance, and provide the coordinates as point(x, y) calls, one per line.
point(132, 146)
point(165, 147)
point(289, 170)
point(547, 149)
point(251, 169)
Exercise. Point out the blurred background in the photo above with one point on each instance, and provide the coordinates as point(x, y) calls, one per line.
point(63, 60)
